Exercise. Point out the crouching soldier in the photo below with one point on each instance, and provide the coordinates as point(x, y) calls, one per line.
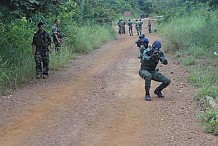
point(41, 47)
point(148, 71)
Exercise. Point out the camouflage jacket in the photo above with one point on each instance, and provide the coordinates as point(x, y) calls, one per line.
point(56, 30)
point(41, 41)
point(149, 62)
point(130, 24)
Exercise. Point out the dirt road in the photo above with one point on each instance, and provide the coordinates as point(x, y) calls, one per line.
point(99, 101)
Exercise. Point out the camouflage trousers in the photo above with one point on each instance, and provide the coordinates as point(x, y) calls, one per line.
point(156, 76)
point(149, 28)
point(138, 30)
point(57, 48)
point(42, 63)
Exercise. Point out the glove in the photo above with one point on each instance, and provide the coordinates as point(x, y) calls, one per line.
point(156, 54)
point(165, 62)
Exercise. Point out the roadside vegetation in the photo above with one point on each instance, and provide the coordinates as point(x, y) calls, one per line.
point(191, 33)
point(85, 25)
point(189, 28)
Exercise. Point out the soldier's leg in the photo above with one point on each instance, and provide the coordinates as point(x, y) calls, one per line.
point(45, 61)
point(140, 31)
point(147, 77)
point(57, 48)
point(149, 29)
point(38, 60)
point(131, 32)
point(157, 76)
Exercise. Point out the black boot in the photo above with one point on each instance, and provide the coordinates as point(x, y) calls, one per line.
point(157, 91)
point(147, 97)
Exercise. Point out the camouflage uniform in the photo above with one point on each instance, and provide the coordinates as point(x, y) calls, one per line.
point(149, 72)
point(122, 25)
point(149, 26)
point(119, 27)
point(137, 26)
point(41, 41)
point(56, 30)
point(130, 28)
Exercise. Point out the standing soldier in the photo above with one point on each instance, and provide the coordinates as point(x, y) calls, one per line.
point(137, 26)
point(149, 26)
point(148, 71)
point(130, 27)
point(119, 26)
point(41, 47)
point(57, 37)
point(122, 25)
point(140, 26)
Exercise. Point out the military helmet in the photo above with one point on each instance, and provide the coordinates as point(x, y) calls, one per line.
point(141, 36)
point(145, 40)
point(156, 45)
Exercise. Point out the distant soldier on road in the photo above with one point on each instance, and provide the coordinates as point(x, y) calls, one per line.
point(137, 26)
point(148, 71)
point(57, 37)
point(130, 27)
point(140, 26)
point(149, 26)
point(41, 47)
point(122, 25)
point(119, 26)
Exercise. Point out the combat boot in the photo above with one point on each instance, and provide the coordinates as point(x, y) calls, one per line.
point(38, 76)
point(147, 97)
point(157, 91)
point(45, 76)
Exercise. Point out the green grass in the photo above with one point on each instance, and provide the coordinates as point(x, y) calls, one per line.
point(193, 39)
point(209, 121)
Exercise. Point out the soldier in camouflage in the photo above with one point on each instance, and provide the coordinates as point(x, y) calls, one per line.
point(119, 26)
point(149, 26)
point(41, 47)
point(140, 26)
point(137, 27)
point(122, 25)
point(130, 27)
point(57, 37)
point(148, 70)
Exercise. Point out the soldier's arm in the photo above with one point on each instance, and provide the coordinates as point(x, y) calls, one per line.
point(54, 31)
point(50, 43)
point(34, 44)
point(146, 55)
point(163, 58)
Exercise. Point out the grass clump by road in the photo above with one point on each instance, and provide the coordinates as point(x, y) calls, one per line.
point(193, 39)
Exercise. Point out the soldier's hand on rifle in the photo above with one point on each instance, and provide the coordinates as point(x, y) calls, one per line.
point(156, 54)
